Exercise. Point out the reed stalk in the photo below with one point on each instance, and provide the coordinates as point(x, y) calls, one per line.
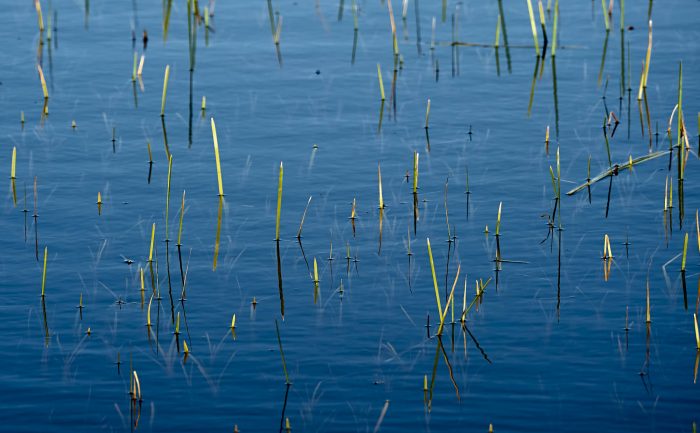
point(233, 321)
point(381, 196)
point(153, 239)
point(415, 171)
point(605, 16)
point(279, 203)
point(648, 315)
point(139, 70)
point(44, 89)
point(216, 155)
point(450, 301)
point(43, 275)
point(697, 333)
point(165, 90)
point(681, 148)
point(381, 81)
point(14, 163)
point(554, 31)
point(498, 220)
point(435, 283)
point(148, 312)
point(134, 70)
point(685, 252)
point(534, 27)
point(497, 43)
point(316, 280)
point(427, 114)
point(303, 217)
point(645, 71)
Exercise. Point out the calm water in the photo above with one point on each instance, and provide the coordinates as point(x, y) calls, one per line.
point(546, 348)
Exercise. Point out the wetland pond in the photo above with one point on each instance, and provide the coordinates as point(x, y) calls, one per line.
point(349, 216)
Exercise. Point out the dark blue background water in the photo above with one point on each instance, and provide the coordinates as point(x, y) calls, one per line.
point(571, 367)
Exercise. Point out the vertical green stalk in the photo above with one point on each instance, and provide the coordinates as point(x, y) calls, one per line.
point(165, 90)
point(435, 284)
point(555, 31)
point(685, 251)
point(279, 202)
point(43, 276)
point(534, 27)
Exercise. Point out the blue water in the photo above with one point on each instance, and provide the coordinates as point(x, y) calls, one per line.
point(552, 353)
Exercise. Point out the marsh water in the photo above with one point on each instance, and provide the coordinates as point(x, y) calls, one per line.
point(557, 340)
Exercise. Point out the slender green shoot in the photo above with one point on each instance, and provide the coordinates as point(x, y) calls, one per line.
point(165, 90)
point(435, 284)
point(303, 217)
point(153, 239)
point(381, 196)
point(534, 27)
point(554, 31)
point(44, 89)
point(381, 81)
point(497, 43)
point(685, 252)
point(14, 162)
point(43, 275)
point(605, 15)
point(427, 114)
point(415, 171)
point(498, 219)
point(216, 155)
point(279, 203)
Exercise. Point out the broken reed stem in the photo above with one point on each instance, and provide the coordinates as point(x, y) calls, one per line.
point(427, 114)
point(533, 26)
point(645, 72)
point(381, 82)
point(165, 90)
point(554, 31)
point(182, 215)
point(685, 252)
point(216, 155)
point(233, 321)
point(279, 203)
point(284, 363)
point(150, 154)
point(43, 275)
point(14, 162)
point(153, 238)
point(44, 89)
point(167, 197)
point(303, 216)
point(415, 171)
point(435, 284)
point(381, 196)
